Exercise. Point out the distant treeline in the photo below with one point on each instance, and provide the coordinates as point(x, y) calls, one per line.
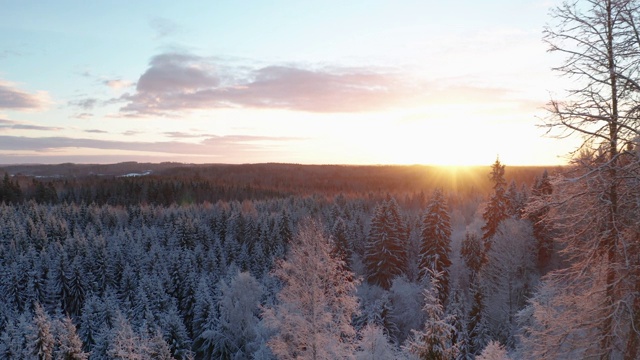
point(185, 184)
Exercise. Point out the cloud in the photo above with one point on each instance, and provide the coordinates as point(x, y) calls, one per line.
point(117, 84)
point(16, 99)
point(35, 127)
point(163, 27)
point(85, 104)
point(14, 125)
point(176, 83)
point(177, 73)
point(215, 145)
point(183, 135)
point(83, 116)
point(96, 131)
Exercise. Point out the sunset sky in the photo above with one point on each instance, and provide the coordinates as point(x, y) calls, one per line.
point(339, 82)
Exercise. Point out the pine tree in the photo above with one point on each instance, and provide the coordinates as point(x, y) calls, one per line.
point(434, 342)
point(459, 321)
point(69, 343)
point(477, 326)
point(498, 206)
point(42, 340)
point(342, 248)
point(15, 338)
point(540, 194)
point(435, 244)
point(125, 343)
point(312, 316)
point(374, 344)
point(494, 351)
point(472, 253)
point(385, 254)
point(239, 309)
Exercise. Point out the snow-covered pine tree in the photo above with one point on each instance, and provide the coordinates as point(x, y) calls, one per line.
point(385, 254)
point(509, 277)
point(473, 253)
point(540, 194)
point(124, 342)
point(434, 341)
point(459, 321)
point(435, 242)
point(477, 326)
point(374, 344)
point(313, 312)
point(238, 305)
point(498, 206)
point(494, 351)
point(342, 249)
point(15, 338)
point(42, 338)
point(69, 345)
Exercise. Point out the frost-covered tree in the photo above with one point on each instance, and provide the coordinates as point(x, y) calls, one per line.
point(498, 207)
point(435, 241)
point(434, 341)
point(473, 253)
point(15, 338)
point(374, 345)
point(407, 300)
point(540, 194)
point(509, 277)
point(43, 338)
point(459, 321)
point(385, 255)
point(69, 345)
point(239, 302)
point(313, 312)
point(477, 327)
point(125, 343)
point(595, 208)
point(376, 308)
point(342, 249)
point(494, 351)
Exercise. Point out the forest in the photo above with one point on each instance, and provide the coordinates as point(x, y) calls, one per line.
point(288, 261)
point(116, 266)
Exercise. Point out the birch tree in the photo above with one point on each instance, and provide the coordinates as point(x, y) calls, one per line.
point(312, 316)
point(595, 207)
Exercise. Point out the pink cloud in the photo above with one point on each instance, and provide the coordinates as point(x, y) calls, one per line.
point(16, 99)
point(177, 82)
point(213, 145)
point(118, 84)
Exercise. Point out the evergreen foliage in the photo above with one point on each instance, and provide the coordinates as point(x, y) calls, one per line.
point(498, 207)
point(385, 254)
point(434, 342)
point(435, 244)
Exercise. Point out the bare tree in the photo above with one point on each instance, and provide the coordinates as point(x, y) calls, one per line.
point(595, 208)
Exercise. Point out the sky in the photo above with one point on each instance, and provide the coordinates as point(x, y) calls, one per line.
point(312, 82)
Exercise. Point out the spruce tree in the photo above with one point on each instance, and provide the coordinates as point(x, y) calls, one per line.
point(385, 254)
point(42, 340)
point(498, 206)
point(69, 343)
point(435, 341)
point(435, 242)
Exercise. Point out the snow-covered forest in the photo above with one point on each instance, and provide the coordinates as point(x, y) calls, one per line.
point(280, 261)
point(389, 273)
